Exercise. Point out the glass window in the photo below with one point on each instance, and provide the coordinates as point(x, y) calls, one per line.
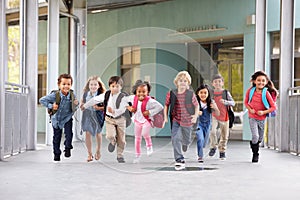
point(130, 66)
point(275, 51)
point(42, 75)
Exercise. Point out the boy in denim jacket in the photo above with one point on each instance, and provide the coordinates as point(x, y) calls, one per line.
point(63, 112)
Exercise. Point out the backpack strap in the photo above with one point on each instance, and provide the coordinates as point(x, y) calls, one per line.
point(264, 98)
point(252, 90)
point(84, 97)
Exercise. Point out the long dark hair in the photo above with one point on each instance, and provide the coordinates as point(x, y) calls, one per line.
point(208, 99)
point(269, 85)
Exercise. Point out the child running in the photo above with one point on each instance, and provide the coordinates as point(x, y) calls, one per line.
point(93, 117)
point(144, 108)
point(207, 105)
point(257, 110)
point(183, 114)
point(63, 104)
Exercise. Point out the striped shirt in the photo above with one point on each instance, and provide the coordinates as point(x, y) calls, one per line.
point(180, 113)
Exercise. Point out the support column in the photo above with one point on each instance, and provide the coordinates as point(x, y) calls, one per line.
point(31, 68)
point(3, 51)
point(52, 56)
point(286, 74)
point(260, 35)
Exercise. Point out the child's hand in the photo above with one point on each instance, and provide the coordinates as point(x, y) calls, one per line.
point(222, 101)
point(146, 113)
point(194, 119)
point(252, 111)
point(82, 108)
point(76, 102)
point(55, 106)
point(109, 109)
point(131, 109)
point(200, 112)
point(260, 112)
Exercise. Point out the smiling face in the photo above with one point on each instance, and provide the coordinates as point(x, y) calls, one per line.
point(218, 83)
point(65, 85)
point(115, 88)
point(93, 86)
point(203, 94)
point(182, 83)
point(142, 92)
point(260, 82)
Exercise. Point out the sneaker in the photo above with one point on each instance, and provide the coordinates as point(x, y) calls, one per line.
point(200, 160)
point(111, 147)
point(137, 159)
point(179, 165)
point(56, 158)
point(120, 160)
point(184, 148)
point(212, 152)
point(67, 153)
point(222, 156)
point(149, 151)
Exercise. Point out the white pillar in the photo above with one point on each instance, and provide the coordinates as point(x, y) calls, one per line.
point(52, 56)
point(260, 34)
point(3, 51)
point(31, 68)
point(287, 33)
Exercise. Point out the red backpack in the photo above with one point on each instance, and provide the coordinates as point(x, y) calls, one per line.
point(158, 119)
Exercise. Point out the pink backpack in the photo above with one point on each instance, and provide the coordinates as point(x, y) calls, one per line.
point(158, 119)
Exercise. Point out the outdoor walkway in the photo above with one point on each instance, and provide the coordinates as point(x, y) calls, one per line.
point(32, 175)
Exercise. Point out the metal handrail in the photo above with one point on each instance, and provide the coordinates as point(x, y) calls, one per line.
point(14, 86)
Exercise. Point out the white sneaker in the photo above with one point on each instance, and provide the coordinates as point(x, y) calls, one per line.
point(179, 165)
point(149, 151)
point(137, 159)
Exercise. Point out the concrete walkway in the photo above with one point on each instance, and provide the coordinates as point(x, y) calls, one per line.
point(32, 175)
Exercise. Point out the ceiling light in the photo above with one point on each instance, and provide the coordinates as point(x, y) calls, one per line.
point(99, 11)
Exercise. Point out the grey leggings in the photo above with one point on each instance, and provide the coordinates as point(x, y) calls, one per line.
point(257, 129)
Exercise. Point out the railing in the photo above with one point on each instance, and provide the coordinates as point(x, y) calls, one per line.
point(16, 119)
point(294, 124)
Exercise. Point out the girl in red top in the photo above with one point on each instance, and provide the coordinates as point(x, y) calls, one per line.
point(257, 110)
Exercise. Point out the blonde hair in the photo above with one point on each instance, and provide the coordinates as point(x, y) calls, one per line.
point(184, 74)
point(94, 78)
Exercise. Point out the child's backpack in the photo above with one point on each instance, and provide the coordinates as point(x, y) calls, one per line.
point(99, 113)
point(127, 114)
point(51, 112)
point(158, 119)
point(229, 111)
point(264, 100)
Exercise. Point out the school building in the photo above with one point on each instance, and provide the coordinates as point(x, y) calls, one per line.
point(149, 40)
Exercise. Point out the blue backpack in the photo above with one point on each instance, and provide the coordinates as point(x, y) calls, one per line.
point(264, 100)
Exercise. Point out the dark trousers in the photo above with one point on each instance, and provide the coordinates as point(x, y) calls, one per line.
point(57, 133)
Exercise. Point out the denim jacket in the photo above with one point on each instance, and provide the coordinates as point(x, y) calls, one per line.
point(64, 112)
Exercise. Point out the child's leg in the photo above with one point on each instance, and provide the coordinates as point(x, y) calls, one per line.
point(213, 134)
point(88, 142)
point(177, 141)
point(138, 137)
point(121, 142)
point(110, 130)
point(200, 141)
point(261, 130)
point(56, 141)
point(254, 130)
point(146, 133)
point(224, 128)
point(68, 134)
point(98, 147)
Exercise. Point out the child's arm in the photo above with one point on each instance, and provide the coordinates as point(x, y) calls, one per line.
point(166, 107)
point(229, 101)
point(196, 104)
point(48, 101)
point(246, 102)
point(154, 108)
point(123, 105)
point(215, 108)
point(93, 101)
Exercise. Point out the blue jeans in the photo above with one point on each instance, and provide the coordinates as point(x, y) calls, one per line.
point(57, 133)
point(202, 137)
point(180, 136)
